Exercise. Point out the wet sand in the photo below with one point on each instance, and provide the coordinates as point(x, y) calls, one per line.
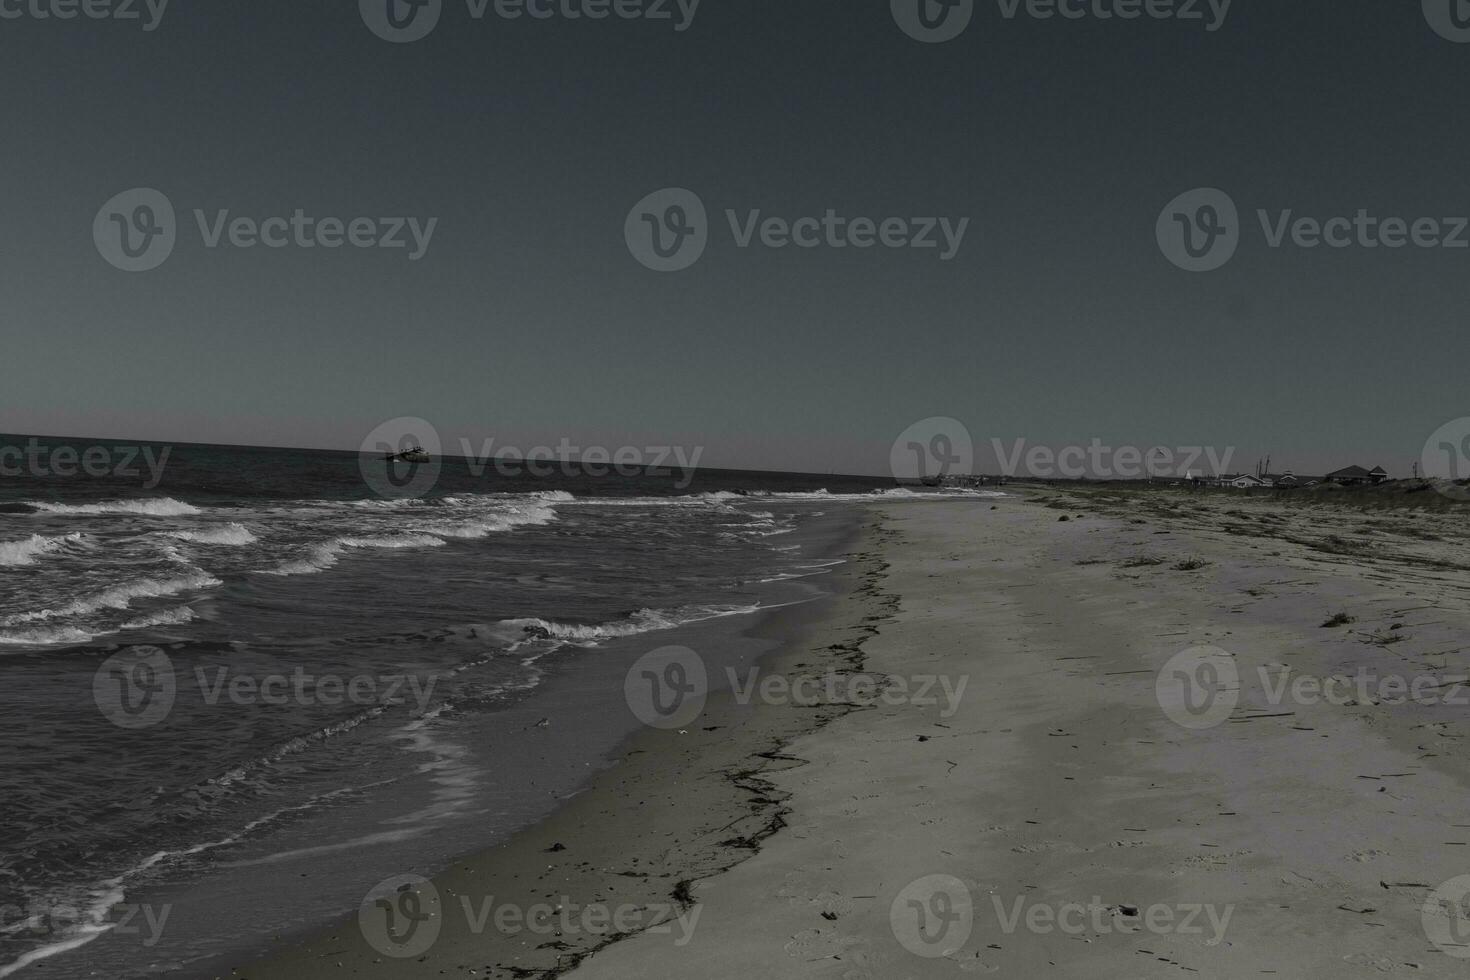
point(1063, 804)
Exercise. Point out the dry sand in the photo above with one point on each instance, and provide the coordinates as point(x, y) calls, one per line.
point(1077, 830)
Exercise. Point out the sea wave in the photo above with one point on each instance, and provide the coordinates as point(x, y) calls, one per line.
point(551, 496)
point(120, 597)
point(479, 527)
point(230, 534)
point(106, 895)
point(409, 540)
point(320, 558)
point(27, 550)
point(44, 636)
point(177, 616)
point(323, 556)
point(149, 507)
point(726, 499)
point(642, 621)
point(467, 525)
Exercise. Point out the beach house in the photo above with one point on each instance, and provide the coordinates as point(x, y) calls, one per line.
point(1356, 476)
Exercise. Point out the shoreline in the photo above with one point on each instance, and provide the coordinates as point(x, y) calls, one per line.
point(1061, 815)
point(583, 843)
point(1072, 818)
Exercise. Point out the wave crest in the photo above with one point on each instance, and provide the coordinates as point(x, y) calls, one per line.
point(148, 507)
point(27, 550)
point(120, 596)
point(230, 534)
point(642, 621)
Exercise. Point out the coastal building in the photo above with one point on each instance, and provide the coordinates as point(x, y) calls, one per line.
point(1357, 476)
point(1288, 480)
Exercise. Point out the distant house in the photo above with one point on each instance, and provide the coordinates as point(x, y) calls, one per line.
point(1289, 480)
point(1241, 481)
point(1356, 476)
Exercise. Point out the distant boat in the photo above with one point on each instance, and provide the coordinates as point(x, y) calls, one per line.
point(414, 455)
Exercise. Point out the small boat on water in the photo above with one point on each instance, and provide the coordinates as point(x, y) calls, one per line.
point(414, 455)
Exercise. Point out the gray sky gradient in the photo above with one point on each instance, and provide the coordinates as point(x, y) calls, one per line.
point(528, 320)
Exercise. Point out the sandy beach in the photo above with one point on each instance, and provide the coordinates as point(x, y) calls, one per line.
point(641, 489)
point(1115, 738)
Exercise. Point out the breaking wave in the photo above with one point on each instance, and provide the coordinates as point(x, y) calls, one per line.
point(27, 550)
point(120, 597)
point(642, 621)
point(149, 507)
point(230, 534)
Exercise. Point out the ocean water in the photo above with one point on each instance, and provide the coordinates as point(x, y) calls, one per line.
point(262, 669)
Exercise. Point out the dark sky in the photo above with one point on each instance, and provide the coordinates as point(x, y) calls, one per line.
point(527, 319)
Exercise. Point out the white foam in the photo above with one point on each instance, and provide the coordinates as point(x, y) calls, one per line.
point(166, 617)
point(120, 596)
point(495, 523)
point(151, 507)
point(324, 556)
point(642, 621)
point(393, 541)
point(46, 636)
point(27, 550)
point(83, 936)
point(395, 503)
point(230, 534)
